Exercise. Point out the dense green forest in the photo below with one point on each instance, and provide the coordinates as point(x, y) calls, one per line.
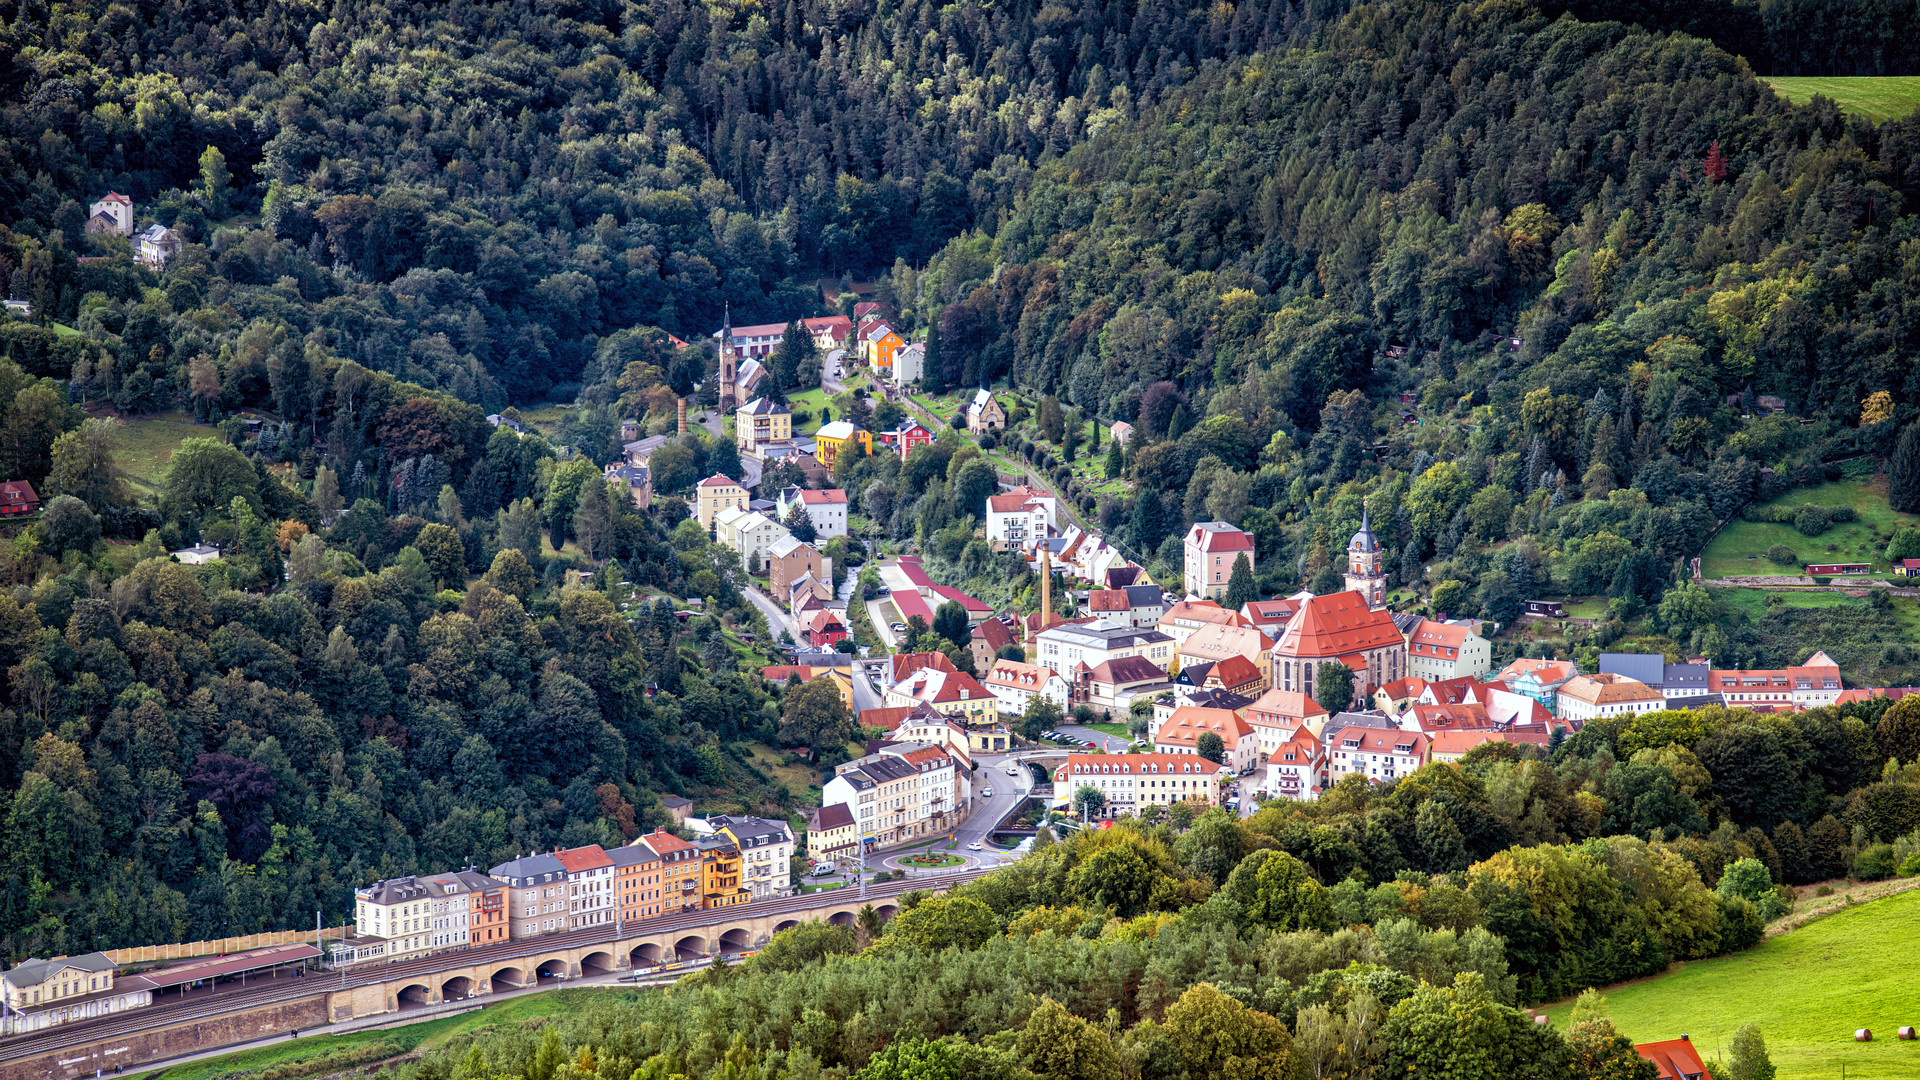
point(1580, 251)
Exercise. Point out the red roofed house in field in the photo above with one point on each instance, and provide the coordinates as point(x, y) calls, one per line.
point(1278, 714)
point(1294, 767)
point(1181, 735)
point(1676, 1059)
point(17, 498)
point(1212, 548)
point(1437, 650)
point(825, 629)
point(911, 435)
point(829, 333)
point(1907, 568)
point(1339, 627)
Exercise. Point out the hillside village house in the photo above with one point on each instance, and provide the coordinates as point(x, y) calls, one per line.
point(17, 499)
point(1295, 766)
point(636, 882)
point(1212, 548)
point(680, 871)
point(1376, 753)
point(1339, 627)
point(788, 559)
point(832, 437)
point(1270, 616)
point(590, 893)
point(878, 344)
point(113, 213)
point(911, 435)
point(1133, 782)
point(1134, 605)
point(826, 508)
point(989, 637)
point(1015, 685)
point(1181, 735)
point(154, 245)
point(536, 895)
point(1399, 695)
point(953, 693)
point(909, 365)
point(636, 480)
point(903, 791)
point(1539, 680)
point(1813, 683)
point(392, 919)
point(714, 494)
point(1114, 685)
point(756, 341)
point(1187, 617)
point(766, 853)
point(842, 677)
point(1019, 519)
point(829, 332)
point(984, 414)
point(722, 871)
point(832, 832)
point(825, 628)
point(1585, 697)
point(749, 533)
point(1437, 650)
point(1068, 646)
point(1277, 714)
point(761, 424)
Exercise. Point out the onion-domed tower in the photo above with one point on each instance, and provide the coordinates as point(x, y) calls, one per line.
point(1365, 573)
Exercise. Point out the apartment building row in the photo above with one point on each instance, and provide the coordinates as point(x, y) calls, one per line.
point(734, 860)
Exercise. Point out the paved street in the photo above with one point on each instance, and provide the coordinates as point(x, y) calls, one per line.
point(1109, 743)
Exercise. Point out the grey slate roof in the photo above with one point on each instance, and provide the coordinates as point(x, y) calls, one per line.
point(1649, 668)
point(33, 972)
point(529, 868)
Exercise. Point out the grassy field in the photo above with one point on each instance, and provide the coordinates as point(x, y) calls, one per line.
point(1753, 602)
point(1807, 990)
point(544, 418)
point(399, 1041)
point(1876, 99)
point(1862, 540)
point(147, 445)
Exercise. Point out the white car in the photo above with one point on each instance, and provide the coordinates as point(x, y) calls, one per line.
point(973, 847)
point(1013, 770)
point(987, 794)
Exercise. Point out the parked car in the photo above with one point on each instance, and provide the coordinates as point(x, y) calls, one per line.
point(898, 627)
point(822, 869)
point(1013, 770)
point(987, 794)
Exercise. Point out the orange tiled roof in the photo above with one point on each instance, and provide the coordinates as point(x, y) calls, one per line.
point(1289, 705)
point(1337, 625)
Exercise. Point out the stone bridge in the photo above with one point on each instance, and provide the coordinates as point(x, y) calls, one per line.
point(553, 961)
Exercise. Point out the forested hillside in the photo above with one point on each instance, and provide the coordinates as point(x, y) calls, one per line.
point(1575, 253)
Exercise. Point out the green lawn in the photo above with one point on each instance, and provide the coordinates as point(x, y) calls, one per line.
point(544, 418)
point(146, 446)
point(1753, 602)
point(1595, 608)
point(810, 402)
point(1118, 731)
point(63, 329)
point(1807, 990)
point(398, 1040)
point(1862, 540)
point(1876, 99)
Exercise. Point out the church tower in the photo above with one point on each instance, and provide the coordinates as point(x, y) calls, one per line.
point(1365, 574)
point(729, 366)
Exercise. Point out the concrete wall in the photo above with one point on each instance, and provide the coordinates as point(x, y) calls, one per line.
point(169, 1042)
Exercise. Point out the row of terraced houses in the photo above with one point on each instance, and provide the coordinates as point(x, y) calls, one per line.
point(733, 860)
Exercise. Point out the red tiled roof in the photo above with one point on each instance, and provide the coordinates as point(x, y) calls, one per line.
point(911, 567)
point(1108, 600)
point(662, 842)
point(1439, 717)
point(1547, 671)
point(17, 493)
point(1288, 705)
point(717, 480)
point(906, 663)
point(1677, 1059)
point(1135, 765)
point(591, 857)
point(1385, 741)
point(1454, 691)
point(1009, 501)
point(1337, 625)
point(1220, 540)
point(836, 816)
point(1189, 722)
point(762, 330)
point(1234, 671)
point(994, 633)
point(1463, 740)
point(821, 498)
point(1410, 687)
point(888, 717)
point(1127, 670)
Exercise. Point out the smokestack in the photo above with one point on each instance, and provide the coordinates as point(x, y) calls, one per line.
point(1046, 583)
point(683, 416)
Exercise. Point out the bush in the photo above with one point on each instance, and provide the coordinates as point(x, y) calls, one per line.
point(1910, 866)
point(1874, 864)
point(1811, 520)
point(1782, 554)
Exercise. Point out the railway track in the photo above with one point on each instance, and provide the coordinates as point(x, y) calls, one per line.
point(281, 991)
